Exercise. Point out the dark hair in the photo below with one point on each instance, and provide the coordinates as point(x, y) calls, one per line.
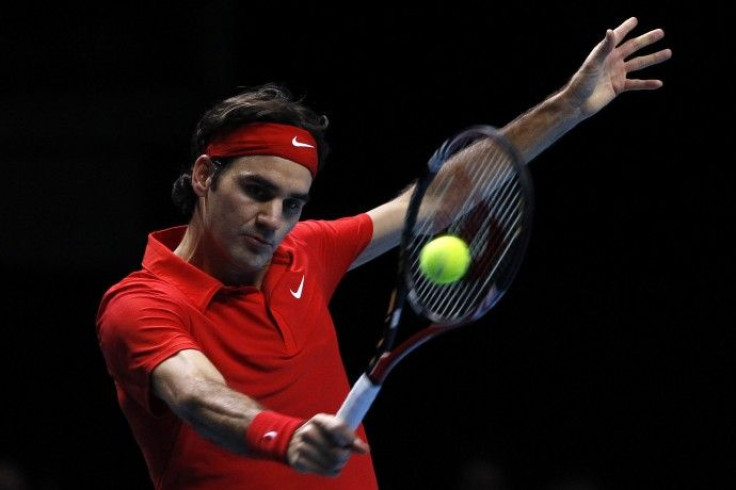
point(265, 103)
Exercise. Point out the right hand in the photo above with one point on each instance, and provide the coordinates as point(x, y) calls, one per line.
point(323, 445)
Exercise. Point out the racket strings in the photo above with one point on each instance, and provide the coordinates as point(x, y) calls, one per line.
point(467, 293)
point(473, 228)
point(485, 205)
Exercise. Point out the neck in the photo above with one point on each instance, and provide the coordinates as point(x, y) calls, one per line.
point(197, 250)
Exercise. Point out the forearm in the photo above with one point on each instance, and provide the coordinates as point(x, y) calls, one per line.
point(196, 391)
point(538, 128)
point(322, 444)
point(218, 413)
point(531, 133)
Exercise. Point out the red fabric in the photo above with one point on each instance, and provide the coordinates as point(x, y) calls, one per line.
point(277, 348)
point(283, 140)
point(269, 434)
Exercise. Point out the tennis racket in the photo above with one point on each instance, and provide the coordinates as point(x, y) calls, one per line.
point(475, 187)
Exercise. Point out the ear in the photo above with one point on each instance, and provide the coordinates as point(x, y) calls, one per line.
point(202, 174)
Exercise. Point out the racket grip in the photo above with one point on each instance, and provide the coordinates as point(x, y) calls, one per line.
point(358, 401)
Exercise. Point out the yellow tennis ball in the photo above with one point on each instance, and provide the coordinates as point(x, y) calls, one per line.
point(444, 259)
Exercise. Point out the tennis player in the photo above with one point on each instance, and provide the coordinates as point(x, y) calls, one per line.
point(221, 347)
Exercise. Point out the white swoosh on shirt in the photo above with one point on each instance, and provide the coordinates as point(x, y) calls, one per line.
point(298, 293)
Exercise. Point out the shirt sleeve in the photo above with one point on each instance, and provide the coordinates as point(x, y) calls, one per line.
point(138, 328)
point(337, 244)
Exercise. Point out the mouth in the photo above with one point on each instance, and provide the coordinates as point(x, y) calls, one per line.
point(258, 241)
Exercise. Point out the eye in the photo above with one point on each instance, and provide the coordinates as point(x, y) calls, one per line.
point(293, 206)
point(258, 192)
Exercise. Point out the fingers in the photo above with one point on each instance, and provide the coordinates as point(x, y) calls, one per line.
point(640, 62)
point(625, 28)
point(644, 61)
point(633, 45)
point(359, 446)
point(323, 445)
point(312, 458)
point(605, 47)
point(340, 435)
point(635, 84)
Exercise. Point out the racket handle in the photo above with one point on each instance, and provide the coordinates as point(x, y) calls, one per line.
point(358, 401)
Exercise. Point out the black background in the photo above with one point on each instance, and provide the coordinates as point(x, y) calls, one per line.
point(612, 355)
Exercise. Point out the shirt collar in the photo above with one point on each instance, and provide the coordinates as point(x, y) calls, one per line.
point(197, 285)
point(161, 261)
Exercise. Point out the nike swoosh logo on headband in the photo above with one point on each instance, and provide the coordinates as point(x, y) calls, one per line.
point(300, 144)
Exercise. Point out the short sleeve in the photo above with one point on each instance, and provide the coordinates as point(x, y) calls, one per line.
point(138, 328)
point(336, 244)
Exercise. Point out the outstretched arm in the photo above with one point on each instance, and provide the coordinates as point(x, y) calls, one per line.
point(602, 77)
point(196, 391)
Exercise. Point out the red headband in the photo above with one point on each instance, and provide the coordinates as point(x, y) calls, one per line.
point(283, 140)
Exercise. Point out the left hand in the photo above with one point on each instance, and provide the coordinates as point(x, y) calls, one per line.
point(604, 73)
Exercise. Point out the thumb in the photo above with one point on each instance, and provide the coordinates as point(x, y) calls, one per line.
point(359, 446)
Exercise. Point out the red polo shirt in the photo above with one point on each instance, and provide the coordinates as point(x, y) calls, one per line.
point(276, 344)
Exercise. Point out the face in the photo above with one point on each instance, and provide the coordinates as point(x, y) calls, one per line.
point(256, 201)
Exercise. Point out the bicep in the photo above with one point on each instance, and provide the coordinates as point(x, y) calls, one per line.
point(388, 221)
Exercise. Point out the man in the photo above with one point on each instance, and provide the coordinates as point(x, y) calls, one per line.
point(222, 348)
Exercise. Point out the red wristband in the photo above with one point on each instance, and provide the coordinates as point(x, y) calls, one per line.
point(269, 434)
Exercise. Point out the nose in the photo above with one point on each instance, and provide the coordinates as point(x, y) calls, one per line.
point(271, 213)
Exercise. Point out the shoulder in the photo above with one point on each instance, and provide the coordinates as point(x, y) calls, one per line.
point(324, 229)
point(138, 292)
